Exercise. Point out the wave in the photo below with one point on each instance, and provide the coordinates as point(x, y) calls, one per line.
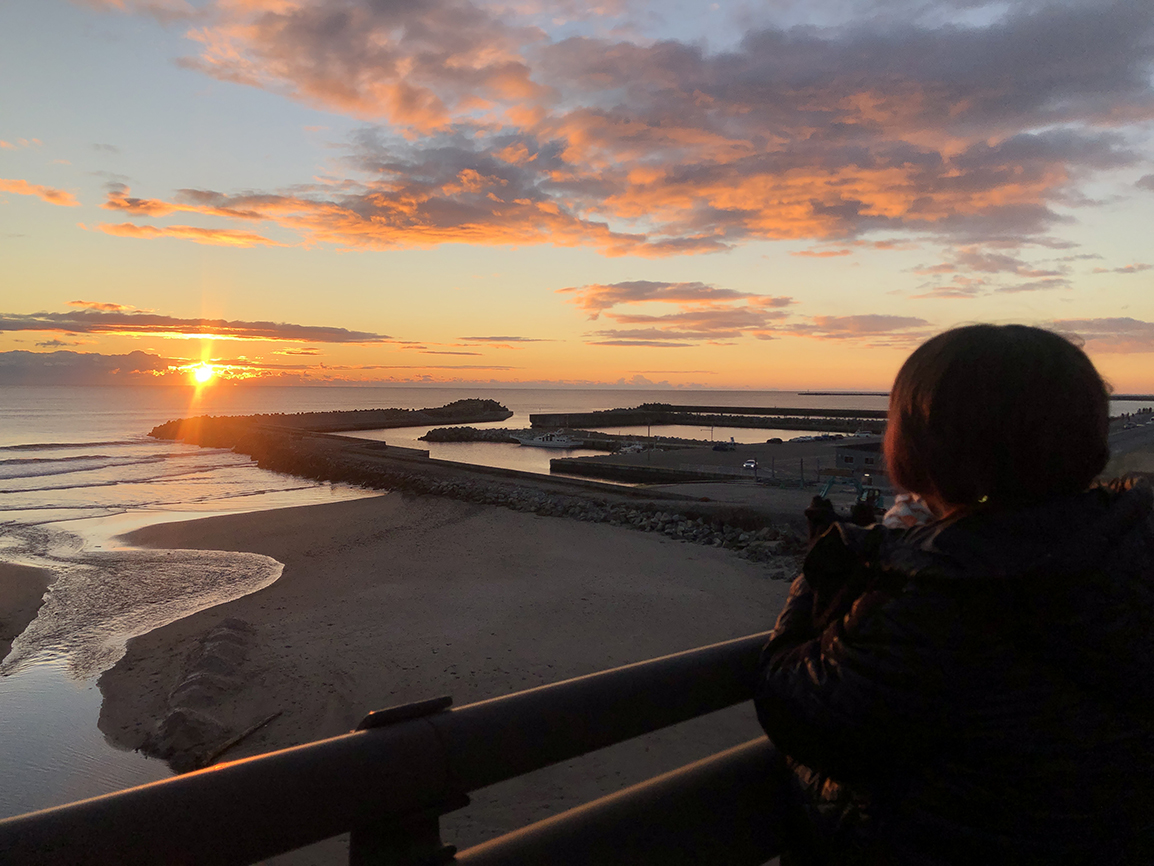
point(177, 462)
point(20, 461)
point(48, 446)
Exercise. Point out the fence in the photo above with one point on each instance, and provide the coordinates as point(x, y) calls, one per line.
point(389, 781)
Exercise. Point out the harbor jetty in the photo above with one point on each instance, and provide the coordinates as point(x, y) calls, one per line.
point(193, 430)
point(758, 531)
point(784, 418)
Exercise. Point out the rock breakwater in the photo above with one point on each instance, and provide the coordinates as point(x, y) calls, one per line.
point(458, 412)
point(748, 532)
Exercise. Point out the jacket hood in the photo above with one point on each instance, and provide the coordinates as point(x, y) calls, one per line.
point(1061, 537)
point(1076, 574)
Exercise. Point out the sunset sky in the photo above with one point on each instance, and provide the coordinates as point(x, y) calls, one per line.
point(726, 195)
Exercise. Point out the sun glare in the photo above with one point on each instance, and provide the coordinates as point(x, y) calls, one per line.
point(203, 373)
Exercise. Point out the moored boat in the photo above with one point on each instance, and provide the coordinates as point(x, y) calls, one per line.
point(549, 440)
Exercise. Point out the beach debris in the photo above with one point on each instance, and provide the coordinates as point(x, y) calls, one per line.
point(195, 730)
point(183, 738)
point(235, 741)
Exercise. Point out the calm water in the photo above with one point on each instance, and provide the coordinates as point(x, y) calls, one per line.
point(77, 468)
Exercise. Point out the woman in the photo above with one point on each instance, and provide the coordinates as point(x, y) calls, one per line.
point(979, 689)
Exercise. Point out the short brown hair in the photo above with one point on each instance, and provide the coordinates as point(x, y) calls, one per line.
point(1004, 414)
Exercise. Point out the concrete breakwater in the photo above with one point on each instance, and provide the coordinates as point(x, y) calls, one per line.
point(459, 412)
point(753, 533)
point(581, 438)
point(831, 420)
point(632, 473)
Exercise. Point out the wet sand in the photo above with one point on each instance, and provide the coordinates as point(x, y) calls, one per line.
point(22, 591)
point(401, 598)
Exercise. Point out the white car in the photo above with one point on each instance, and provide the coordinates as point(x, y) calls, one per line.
point(749, 464)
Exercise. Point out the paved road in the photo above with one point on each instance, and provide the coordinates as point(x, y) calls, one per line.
point(1123, 441)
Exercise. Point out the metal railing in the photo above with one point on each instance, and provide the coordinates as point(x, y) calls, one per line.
point(390, 780)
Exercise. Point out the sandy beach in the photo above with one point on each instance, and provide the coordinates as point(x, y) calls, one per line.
point(22, 591)
point(400, 598)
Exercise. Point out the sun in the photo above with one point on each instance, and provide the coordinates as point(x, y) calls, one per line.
point(203, 373)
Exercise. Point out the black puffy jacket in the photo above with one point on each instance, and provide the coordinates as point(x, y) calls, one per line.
point(972, 691)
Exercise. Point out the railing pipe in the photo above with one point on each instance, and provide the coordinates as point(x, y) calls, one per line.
point(246, 810)
point(498, 739)
point(722, 809)
point(242, 811)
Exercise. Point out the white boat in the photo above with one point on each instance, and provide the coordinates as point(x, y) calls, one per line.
point(549, 440)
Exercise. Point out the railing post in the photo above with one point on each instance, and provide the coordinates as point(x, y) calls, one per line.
point(414, 840)
point(408, 840)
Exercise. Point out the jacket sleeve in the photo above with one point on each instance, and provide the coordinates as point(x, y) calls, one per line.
point(863, 694)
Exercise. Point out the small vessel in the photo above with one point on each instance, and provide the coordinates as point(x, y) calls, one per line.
point(549, 440)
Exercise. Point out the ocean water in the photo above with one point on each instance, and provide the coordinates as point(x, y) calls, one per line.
point(77, 469)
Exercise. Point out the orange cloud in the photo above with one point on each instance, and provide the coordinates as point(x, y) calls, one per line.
point(44, 193)
point(416, 65)
point(707, 314)
point(498, 134)
point(822, 254)
point(598, 297)
point(215, 237)
point(119, 200)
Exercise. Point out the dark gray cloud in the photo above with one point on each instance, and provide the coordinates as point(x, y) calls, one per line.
point(1036, 286)
point(986, 261)
point(117, 321)
point(872, 328)
point(419, 63)
point(1121, 335)
point(1145, 182)
point(972, 271)
point(971, 133)
point(656, 342)
point(76, 368)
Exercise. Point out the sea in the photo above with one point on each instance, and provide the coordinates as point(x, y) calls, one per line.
point(78, 469)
